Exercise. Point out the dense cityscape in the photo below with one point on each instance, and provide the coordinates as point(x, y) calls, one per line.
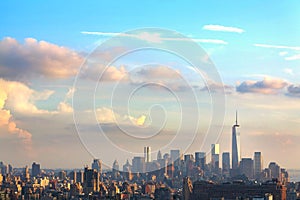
point(169, 176)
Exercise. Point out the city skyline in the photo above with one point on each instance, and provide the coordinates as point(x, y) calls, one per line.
point(46, 50)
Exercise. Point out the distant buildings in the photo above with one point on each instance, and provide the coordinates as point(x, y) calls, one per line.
point(208, 190)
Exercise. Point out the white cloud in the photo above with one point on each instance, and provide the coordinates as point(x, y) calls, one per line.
point(277, 46)
point(212, 27)
point(294, 57)
point(154, 37)
point(6, 118)
point(288, 71)
point(283, 53)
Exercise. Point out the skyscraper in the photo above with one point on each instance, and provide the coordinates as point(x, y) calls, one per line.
point(275, 170)
point(215, 154)
point(97, 165)
point(175, 157)
point(138, 164)
point(235, 145)
point(35, 170)
point(200, 158)
point(258, 165)
point(91, 180)
point(246, 167)
point(147, 154)
point(159, 156)
point(226, 164)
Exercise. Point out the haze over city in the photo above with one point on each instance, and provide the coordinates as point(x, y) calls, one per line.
point(255, 49)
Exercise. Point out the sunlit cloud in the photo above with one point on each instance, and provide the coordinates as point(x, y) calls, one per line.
point(212, 27)
point(34, 59)
point(268, 85)
point(6, 117)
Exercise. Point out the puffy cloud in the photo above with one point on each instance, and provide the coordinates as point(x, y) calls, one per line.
point(157, 73)
point(108, 116)
point(294, 90)
point(22, 61)
point(64, 107)
point(218, 87)
point(20, 98)
point(6, 119)
point(267, 86)
point(110, 73)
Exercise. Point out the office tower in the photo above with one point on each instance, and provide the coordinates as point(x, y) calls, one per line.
point(80, 176)
point(246, 167)
point(91, 181)
point(115, 166)
point(147, 154)
point(73, 175)
point(258, 165)
point(235, 145)
point(62, 175)
point(159, 155)
point(26, 174)
point(115, 169)
point(97, 165)
point(275, 170)
point(127, 170)
point(189, 164)
point(226, 164)
point(138, 165)
point(200, 158)
point(215, 154)
point(35, 170)
point(127, 167)
point(175, 155)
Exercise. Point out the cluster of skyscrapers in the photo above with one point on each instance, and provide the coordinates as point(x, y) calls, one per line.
point(171, 175)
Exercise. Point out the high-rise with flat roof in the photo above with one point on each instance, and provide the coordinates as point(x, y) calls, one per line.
point(147, 154)
point(35, 170)
point(200, 159)
point(215, 156)
point(258, 165)
point(226, 164)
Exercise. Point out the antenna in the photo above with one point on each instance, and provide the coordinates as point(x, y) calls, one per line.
point(236, 115)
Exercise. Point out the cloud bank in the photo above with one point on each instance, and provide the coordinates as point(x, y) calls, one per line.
point(36, 58)
point(267, 86)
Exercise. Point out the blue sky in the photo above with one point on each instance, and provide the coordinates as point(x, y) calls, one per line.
point(254, 45)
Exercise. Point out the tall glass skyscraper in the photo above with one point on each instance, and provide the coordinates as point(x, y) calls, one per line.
point(235, 145)
point(258, 164)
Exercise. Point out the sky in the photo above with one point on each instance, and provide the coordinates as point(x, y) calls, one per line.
point(103, 79)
